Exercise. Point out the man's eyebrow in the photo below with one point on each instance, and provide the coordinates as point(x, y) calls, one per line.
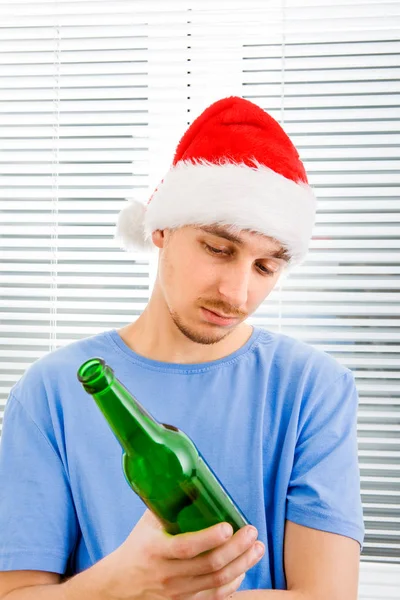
point(282, 253)
point(215, 230)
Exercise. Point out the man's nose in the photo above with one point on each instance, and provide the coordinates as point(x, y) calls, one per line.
point(234, 285)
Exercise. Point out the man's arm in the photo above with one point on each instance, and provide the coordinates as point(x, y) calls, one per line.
point(43, 585)
point(318, 566)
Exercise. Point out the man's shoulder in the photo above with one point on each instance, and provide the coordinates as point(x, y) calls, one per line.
point(304, 374)
point(289, 354)
point(58, 367)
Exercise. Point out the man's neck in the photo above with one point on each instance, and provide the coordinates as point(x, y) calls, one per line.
point(160, 339)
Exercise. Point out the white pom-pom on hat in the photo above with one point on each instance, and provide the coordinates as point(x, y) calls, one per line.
point(130, 227)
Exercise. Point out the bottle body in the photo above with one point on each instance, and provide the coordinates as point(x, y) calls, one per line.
point(160, 462)
point(178, 485)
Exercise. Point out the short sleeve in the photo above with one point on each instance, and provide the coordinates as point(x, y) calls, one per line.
point(324, 490)
point(38, 522)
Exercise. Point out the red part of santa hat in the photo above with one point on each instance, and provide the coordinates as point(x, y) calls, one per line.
point(234, 166)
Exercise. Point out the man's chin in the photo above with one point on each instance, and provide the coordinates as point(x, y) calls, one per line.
point(204, 333)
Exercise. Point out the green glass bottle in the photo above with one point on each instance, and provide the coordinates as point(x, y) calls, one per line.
point(160, 462)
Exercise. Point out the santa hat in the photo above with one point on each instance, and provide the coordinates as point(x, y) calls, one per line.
point(234, 166)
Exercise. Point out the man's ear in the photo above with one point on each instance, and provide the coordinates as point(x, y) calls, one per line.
point(158, 238)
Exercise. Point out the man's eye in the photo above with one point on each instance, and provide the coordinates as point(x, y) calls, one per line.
point(261, 268)
point(214, 250)
point(266, 271)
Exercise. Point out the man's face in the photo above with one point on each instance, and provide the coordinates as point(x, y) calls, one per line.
point(200, 269)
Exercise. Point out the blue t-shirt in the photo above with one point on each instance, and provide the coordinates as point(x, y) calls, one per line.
point(275, 420)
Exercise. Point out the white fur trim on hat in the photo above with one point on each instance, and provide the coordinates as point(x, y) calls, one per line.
point(257, 199)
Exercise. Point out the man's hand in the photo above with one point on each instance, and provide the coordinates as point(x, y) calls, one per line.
point(155, 565)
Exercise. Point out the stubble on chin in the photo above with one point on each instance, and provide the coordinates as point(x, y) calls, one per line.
point(197, 336)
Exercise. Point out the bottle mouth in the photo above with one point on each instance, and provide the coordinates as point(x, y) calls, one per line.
point(95, 375)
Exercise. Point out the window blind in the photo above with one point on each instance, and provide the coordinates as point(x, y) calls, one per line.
point(94, 96)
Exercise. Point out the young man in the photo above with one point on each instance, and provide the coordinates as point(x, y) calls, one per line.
point(274, 417)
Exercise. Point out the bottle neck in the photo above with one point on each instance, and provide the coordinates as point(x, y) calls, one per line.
point(130, 422)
